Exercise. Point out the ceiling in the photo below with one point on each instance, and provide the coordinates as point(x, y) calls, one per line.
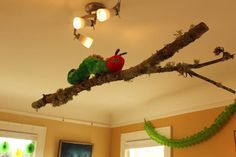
point(37, 50)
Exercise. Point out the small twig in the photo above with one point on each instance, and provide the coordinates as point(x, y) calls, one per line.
point(218, 84)
point(226, 56)
point(171, 66)
point(185, 69)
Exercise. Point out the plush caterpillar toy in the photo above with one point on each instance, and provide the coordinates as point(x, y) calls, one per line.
point(96, 65)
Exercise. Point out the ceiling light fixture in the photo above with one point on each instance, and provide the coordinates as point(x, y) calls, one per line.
point(95, 12)
point(103, 15)
point(84, 40)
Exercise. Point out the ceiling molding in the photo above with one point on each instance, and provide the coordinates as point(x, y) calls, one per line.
point(55, 118)
point(125, 122)
point(174, 113)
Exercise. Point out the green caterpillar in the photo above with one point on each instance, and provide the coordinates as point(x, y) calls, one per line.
point(91, 65)
point(196, 138)
point(96, 65)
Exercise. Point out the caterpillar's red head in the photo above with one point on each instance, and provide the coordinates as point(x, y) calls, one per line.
point(116, 62)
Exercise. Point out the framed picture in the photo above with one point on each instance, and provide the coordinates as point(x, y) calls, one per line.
point(74, 149)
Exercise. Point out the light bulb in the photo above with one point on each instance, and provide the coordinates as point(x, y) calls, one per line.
point(86, 41)
point(78, 23)
point(103, 15)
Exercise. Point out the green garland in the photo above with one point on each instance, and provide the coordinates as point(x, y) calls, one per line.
point(196, 138)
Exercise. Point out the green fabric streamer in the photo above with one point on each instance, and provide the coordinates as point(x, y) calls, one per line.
point(196, 138)
point(30, 148)
point(4, 147)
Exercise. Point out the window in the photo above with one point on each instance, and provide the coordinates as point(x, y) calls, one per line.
point(10, 147)
point(138, 144)
point(20, 139)
point(154, 151)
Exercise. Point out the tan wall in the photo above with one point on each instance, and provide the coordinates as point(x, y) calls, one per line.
point(56, 130)
point(220, 145)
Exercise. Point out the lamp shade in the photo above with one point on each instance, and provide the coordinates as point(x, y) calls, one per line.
point(103, 14)
point(86, 41)
point(78, 23)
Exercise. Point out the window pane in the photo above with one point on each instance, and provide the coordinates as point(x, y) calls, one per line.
point(156, 151)
point(13, 147)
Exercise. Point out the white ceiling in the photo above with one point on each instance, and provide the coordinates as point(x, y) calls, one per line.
point(37, 50)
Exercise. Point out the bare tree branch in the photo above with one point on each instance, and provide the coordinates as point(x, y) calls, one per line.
point(62, 96)
point(185, 69)
point(218, 84)
point(226, 56)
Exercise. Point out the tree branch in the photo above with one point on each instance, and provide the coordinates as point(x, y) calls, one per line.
point(226, 56)
point(218, 84)
point(185, 69)
point(62, 96)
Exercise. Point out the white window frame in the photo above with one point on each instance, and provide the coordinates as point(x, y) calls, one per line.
point(139, 139)
point(25, 131)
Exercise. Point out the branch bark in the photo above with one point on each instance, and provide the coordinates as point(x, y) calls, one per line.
point(62, 96)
